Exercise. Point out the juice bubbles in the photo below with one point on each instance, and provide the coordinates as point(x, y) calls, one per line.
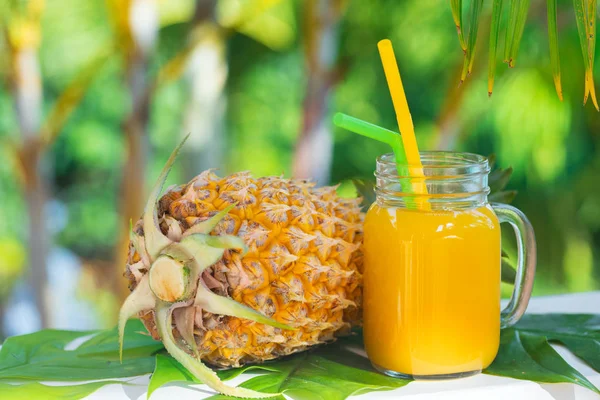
point(431, 289)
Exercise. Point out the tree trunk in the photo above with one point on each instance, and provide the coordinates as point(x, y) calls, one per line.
point(206, 75)
point(27, 92)
point(314, 149)
point(143, 29)
point(36, 196)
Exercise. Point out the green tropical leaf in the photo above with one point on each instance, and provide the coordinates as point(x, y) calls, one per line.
point(327, 372)
point(335, 372)
point(510, 28)
point(28, 391)
point(476, 6)
point(528, 356)
point(579, 332)
point(331, 372)
point(581, 17)
point(591, 35)
point(456, 6)
point(496, 12)
point(553, 40)
point(41, 356)
point(169, 370)
point(586, 26)
point(518, 32)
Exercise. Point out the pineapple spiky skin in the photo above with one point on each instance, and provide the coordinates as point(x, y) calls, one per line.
point(303, 266)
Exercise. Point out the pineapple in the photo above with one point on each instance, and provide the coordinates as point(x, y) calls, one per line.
point(239, 270)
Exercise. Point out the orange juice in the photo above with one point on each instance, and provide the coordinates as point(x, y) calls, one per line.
point(431, 290)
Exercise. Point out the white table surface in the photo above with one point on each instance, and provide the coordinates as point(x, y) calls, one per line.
point(478, 387)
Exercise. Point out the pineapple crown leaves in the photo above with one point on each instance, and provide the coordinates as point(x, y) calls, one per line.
point(174, 281)
point(497, 181)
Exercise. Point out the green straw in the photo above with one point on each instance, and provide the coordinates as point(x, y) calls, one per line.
point(383, 135)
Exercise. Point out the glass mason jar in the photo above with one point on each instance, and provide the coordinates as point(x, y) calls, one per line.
point(432, 268)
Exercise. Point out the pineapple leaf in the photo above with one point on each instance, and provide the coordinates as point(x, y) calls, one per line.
point(492, 161)
point(221, 305)
point(366, 190)
point(226, 242)
point(202, 255)
point(499, 178)
point(496, 12)
point(510, 28)
point(154, 238)
point(476, 6)
point(206, 375)
point(169, 370)
point(456, 6)
point(210, 224)
point(184, 322)
point(518, 34)
point(506, 196)
point(553, 40)
point(139, 300)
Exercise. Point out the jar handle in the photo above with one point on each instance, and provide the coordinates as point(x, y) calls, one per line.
point(526, 261)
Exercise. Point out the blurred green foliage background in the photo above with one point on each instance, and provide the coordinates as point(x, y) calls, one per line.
point(553, 146)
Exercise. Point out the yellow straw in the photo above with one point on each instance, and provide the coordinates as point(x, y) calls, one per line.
point(405, 124)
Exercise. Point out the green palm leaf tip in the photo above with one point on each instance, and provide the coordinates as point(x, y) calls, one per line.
point(510, 28)
point(456, 6)
point(553, 41)
point(586, 27)
point(591, 34)
point(518, 34)
point(496, 12)
point(476, 6)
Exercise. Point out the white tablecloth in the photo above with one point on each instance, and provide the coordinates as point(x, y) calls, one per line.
point(480, 387)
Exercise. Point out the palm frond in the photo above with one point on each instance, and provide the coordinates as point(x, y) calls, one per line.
point(475, 13)
point(591, 34)
point(518, 34)
point(510, 28)
point(553, 40)
point(496, 12)
point(456, 6)
point(584, 26)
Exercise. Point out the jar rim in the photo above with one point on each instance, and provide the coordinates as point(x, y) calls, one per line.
point(453, 179)
point(441, 160)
